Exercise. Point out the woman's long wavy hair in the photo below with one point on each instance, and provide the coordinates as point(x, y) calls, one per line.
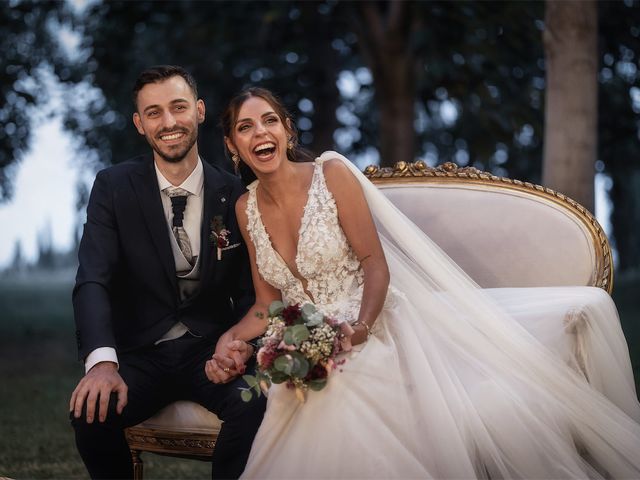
point(230, 116)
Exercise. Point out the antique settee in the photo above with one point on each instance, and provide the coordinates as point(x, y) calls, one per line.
point(529, 237)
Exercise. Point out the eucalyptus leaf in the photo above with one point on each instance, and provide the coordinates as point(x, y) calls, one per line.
point(284, 364)
point(276, 308)
point(288, 337)
point(308, 309)
point(311, 315)
point(279, 377)
point(300, 366)
point(246, 395)
point(250, 380)
point(296, 334)
point(318, 384)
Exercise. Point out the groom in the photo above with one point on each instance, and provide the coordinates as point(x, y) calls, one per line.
point(163, 274)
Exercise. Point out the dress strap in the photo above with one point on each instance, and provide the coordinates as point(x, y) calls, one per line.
point(320, 160)
point(253, 185)
point(251, 208)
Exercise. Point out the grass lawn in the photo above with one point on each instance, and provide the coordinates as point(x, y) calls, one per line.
point(39, 370)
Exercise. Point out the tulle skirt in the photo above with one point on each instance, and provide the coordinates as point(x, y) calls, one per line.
point(412, 402)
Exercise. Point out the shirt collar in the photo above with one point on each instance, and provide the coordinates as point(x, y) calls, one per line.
point(192, 184)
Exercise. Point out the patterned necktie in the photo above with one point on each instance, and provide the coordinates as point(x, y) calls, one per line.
point(178, 198)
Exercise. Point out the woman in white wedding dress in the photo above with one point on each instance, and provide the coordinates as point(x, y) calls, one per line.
point(441, 382)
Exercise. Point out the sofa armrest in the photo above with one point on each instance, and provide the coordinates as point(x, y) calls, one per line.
point(580, 326)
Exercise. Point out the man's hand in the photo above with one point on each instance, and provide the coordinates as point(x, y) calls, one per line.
point(97, 385)
point(228, 361)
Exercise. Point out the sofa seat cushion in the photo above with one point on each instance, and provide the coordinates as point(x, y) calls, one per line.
point(184, 416)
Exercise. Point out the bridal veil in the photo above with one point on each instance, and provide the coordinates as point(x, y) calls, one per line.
point(505, 394)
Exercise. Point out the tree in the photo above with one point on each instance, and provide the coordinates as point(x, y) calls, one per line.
point(619, 122)
point(46, 251)
point(439, 80)
point(385, 31)
point(571, 108)
point(285, 46)
point(30, 53)
point(476, 73)
point(18, 262)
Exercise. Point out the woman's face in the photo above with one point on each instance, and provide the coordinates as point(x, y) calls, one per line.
point(259, 136)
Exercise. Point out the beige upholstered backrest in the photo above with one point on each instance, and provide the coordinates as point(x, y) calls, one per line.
point(502, 232)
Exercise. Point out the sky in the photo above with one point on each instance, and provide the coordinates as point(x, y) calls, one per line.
point(44, 193)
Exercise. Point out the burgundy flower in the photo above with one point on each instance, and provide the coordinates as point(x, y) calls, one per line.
point(290, 314)
point(317, 372)
point(266, 356)
point(222, 242)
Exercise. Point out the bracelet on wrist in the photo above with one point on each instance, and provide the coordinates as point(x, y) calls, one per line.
point(364, 324)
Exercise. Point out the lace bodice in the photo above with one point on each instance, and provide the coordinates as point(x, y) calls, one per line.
point(325, 259)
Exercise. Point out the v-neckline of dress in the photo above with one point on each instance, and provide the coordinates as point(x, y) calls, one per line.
point(303, 219)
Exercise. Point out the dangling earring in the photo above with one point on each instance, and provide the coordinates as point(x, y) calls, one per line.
point(290, 144)
point(236, 161)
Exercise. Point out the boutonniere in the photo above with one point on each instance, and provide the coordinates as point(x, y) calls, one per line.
point(220, 235)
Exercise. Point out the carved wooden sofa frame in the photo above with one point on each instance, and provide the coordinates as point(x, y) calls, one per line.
point(449, 174)
point(187, 430)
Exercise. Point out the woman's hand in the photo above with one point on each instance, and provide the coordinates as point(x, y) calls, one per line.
point(352, 335)
point(229, 360)
point(360, 334)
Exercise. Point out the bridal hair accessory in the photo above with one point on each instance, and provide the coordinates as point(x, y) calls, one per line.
point(298, 348)
point(220, 235)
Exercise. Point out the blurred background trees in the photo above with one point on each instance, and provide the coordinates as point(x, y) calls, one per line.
point(380, 81)
point(31, 50)
point(571, 99)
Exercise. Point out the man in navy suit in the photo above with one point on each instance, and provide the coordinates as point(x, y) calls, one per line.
point(163, 274)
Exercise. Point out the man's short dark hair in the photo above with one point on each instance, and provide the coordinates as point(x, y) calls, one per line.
point(160, 73)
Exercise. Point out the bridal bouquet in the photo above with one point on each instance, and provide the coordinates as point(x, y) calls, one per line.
point(299, 348)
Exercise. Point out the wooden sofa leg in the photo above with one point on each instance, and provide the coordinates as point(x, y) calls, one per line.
point(137, 465)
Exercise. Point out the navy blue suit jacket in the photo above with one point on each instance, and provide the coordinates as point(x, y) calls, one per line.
point(126, 292)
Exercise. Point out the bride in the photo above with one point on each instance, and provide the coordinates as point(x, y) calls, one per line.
point(441, 382)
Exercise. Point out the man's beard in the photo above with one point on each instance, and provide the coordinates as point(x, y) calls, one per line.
point(176, 156)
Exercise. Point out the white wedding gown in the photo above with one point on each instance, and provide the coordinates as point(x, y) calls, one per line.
point(449, 385)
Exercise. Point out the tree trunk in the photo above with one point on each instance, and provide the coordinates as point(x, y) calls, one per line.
point(571, 105)
point(384, 40)
point(324, 70)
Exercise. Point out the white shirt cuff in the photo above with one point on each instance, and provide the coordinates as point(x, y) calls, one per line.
point(101, 354)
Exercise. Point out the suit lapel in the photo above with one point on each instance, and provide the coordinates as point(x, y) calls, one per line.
point(145, 184)
point(215, 203)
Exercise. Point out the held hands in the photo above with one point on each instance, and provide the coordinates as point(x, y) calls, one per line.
point(228, 361)
point(96, 388)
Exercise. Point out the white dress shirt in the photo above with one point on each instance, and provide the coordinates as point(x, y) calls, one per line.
point(194, 184)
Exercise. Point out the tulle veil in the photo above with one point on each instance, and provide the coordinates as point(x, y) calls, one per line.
point(545, 400)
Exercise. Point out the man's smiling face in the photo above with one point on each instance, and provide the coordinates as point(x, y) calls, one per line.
point(168, 115)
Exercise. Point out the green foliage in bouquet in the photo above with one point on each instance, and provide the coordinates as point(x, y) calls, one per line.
point(298, 347)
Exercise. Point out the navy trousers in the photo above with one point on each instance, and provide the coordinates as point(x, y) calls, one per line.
point(156, 376)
